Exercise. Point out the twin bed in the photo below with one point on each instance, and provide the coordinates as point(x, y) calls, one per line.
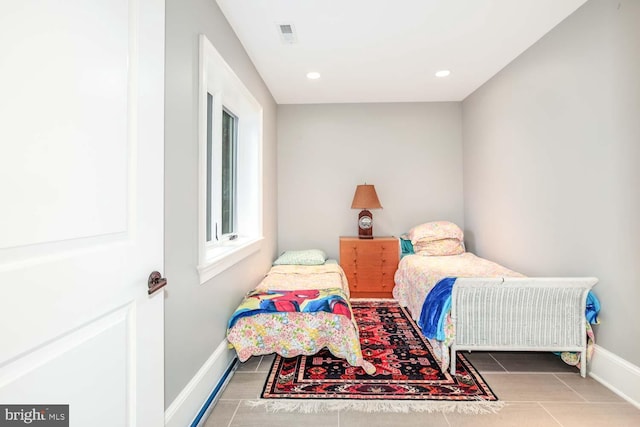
point(494, 308)
point(480, 305)
point(463, 302)
point(260, 330)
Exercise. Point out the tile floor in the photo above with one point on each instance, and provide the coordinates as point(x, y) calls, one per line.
point(539, 389)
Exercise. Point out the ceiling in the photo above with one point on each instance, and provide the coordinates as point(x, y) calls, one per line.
point(386, 50)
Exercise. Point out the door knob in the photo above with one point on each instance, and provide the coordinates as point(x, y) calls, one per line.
point(156, 281)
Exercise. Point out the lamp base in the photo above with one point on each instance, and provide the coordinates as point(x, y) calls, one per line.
point(365, 225)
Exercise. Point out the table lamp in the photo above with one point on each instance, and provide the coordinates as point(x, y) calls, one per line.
point(365, 198)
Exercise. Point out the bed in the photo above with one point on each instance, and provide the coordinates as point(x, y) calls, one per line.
point(293, 333)
point(487, 306)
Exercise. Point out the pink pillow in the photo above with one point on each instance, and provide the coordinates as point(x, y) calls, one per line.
point(440, 247)
point(436, 230)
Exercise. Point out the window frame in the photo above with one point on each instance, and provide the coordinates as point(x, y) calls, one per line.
point(227, 92)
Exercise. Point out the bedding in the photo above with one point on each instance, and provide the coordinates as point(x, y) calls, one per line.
point(416, 275)
point(330, 300)
point(437, 238)
point(441, 247)
point(304, 257)
point(406, 247)
point(435, 230)
point(416, 280)
point(293, 333)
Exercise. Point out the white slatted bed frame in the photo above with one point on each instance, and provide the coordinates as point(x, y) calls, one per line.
point(520, 314)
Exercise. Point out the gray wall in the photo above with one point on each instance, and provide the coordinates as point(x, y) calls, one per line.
point(551, 151)
point(411, 152)
point(196, 315)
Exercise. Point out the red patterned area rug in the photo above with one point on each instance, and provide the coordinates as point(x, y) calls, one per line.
point(407, 376)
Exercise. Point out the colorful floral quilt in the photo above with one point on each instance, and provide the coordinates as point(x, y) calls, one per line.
point(292, 331)
point(330, 300)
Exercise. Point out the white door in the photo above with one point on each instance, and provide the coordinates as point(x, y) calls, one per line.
point(81, 208)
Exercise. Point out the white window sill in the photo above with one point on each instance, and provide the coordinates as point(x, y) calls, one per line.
point(226, 255)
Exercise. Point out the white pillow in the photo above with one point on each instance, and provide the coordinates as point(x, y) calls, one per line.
point(305, 257)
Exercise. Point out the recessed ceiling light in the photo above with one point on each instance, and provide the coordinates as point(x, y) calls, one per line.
point(313, 75)
point(443, 73)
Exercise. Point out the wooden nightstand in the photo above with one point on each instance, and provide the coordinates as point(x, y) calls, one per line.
point(370, 265)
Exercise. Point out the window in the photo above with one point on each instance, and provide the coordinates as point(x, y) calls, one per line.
point(229, 148)
point(221, 211)
point(230, 166)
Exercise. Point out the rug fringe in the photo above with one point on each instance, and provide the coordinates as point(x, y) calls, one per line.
point(313, 406)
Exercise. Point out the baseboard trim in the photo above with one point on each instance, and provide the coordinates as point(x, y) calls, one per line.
point(617, 374)
point(188, 406)
point(206, 409)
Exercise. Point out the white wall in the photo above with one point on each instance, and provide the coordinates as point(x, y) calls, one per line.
point(196, 315)
point(411, 152)
point(551, 152)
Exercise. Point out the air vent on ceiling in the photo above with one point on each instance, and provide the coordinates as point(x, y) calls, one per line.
point(287, 33)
